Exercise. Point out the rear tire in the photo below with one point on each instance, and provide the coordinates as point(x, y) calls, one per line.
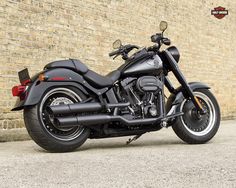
point(195, 129)
point(44, 132)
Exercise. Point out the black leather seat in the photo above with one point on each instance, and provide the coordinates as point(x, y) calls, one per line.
point(95, 79)
point(73, 64)
point(99, 81)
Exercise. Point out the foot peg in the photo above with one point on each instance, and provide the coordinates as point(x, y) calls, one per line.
point(133, 139)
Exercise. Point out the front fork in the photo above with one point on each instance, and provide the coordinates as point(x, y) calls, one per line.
point(181, 79)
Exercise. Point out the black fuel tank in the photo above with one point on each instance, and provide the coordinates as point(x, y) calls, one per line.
point(151, 65)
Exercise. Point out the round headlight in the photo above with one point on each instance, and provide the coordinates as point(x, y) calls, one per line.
point(174, 52)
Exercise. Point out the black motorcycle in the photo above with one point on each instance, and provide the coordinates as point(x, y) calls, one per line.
point(67, 103)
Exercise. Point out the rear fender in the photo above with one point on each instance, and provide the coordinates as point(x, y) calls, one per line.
point(54, 78)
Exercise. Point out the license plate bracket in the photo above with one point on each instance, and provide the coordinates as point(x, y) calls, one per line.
point(24, 76)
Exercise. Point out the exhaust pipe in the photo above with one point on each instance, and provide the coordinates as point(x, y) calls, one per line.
point(100, 119)
point(81, 107)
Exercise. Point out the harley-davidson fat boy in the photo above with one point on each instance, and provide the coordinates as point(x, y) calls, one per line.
point(67, 103)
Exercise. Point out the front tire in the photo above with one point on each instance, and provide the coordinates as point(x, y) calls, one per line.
point(194, 128)
point(41, 128)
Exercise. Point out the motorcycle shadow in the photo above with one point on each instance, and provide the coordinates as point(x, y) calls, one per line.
point(114, 144)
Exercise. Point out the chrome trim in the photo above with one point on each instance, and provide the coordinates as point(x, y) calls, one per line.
point(212, 115)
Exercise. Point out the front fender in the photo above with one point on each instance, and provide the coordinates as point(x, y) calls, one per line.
point(35, 91)
point(178, 97)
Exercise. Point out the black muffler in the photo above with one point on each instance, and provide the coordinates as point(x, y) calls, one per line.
point(101, 119)
point(81, 107)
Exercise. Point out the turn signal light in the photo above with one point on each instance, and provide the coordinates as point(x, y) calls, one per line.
point(42, 77)
point(18, 90)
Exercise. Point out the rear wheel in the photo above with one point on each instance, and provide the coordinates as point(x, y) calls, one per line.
point(42, 129)
point(194, 128)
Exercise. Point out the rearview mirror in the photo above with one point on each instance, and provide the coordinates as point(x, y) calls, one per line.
point(163, 26)
point(117, 44)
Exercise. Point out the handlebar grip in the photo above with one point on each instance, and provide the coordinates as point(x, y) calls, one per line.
point(130, 47)
point(114, 53)
point(166, 41)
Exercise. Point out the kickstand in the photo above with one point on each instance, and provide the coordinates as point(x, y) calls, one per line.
point(133, 139)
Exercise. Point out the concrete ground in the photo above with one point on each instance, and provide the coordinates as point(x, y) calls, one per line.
point(157, 159)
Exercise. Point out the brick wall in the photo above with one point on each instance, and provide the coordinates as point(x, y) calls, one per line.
point(35, 32)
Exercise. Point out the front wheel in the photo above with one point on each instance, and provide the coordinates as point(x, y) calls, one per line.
point(41, 127)
point(194, 128)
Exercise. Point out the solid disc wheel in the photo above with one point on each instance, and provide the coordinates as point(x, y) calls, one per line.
point(42, 129)
point(195, 128)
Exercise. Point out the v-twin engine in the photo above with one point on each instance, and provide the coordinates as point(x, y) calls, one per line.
point(142, 93)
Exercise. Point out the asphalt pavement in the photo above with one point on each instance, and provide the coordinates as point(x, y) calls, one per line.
point(158, 159)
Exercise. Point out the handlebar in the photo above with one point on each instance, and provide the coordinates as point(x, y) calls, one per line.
point(159, 40)
point(153, 48)
point(156, 38)
point(114, 53)
point(166, 41)
point(123, 50)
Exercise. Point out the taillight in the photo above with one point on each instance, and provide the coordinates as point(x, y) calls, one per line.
point(18, 90)
point(25, 82)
